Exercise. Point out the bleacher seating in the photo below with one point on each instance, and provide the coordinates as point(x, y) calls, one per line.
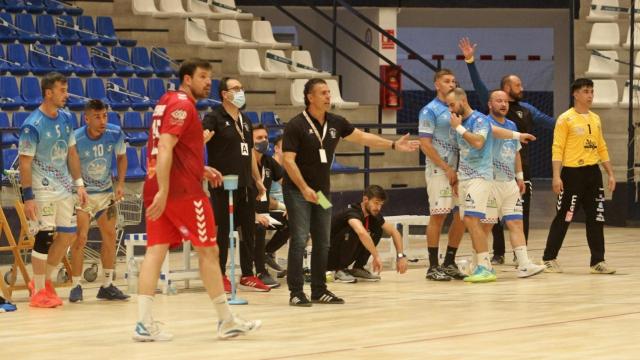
point(114, 118)
point(135, 172)
point(605, 93)
point(7, 33)
point(60, 60)
point(117, 100)
point(229, 33)
point(262, 34)
point(40, 63)
point(95, 89)
point(7, 139)
point(121, 68)
point(18, 58)
point(304, 57)
point(195, 33)
point(87, 32)
point(155, 90)
point(76, 88)
point(101, 63)
point(624, 101)
point(601, 67)
point(66, 34)
point(604, 36)
point(80, 56)
point(161, 66)
point(140, 57)
point(137, 86)
point(598, 14)
point(46, 28)
point(106, 30)
point(31, 93)
point(253, 117)
point(143, 7)
point(132, 120)
point(27, 29)
point(249, 64)
point(10, 98)
point(18, 118)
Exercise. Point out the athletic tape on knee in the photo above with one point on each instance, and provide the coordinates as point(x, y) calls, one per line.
point(43, 242)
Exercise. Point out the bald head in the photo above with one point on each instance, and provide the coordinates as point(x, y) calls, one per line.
point(512, 85)
point(498, 104)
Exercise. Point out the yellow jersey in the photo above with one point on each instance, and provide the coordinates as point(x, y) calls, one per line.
point(578, 140)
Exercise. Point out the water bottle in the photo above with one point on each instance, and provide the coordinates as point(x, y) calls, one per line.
point(132, 276)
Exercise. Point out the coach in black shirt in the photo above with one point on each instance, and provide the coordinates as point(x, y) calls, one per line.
point(229, 151)
point(310, 140)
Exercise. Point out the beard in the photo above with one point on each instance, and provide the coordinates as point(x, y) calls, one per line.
point(515, 96)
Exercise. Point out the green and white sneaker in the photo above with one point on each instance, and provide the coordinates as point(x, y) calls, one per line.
point(150, 332)
point(481, 275)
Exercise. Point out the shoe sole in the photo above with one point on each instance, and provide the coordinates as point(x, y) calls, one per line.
point(435, 279)
point(367, 279)
point(328, 303)
point(75, 301)
point(139, 338)
point(603, 273)
point(480, 281)
point(238, 333)
point(301, 304)
point(346, 281)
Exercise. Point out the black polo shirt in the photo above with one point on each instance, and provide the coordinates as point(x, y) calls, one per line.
point(302, 140)
point(224, 151)
point(523, 119)
point(340, 227)
point(270, 171)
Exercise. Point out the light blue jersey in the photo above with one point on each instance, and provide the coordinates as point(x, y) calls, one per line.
point(96, 156)
point(276, 191)
point(434, 123)
point(476, 163)
point(504, 153)
point(48, 140)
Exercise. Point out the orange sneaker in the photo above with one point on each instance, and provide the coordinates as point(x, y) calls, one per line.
point(42, 300)
point(47, 285)
point(227, 284)
point(51, 293)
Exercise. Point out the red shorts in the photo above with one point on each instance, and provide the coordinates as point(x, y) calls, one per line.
point(183, 219)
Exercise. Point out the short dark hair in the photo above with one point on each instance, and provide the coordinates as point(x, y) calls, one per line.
point(223, 85)
point(278, 139)
point(308, 87)
point(580, 83)
point(189, 66)
point(95, 104)
point(260, 127)
point(49, 80)
point(442, 72)
point(375, 191)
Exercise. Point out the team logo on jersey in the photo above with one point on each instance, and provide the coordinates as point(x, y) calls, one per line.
point(97, 169)
point(333, 133)
point(178, 116)
point(520, 114)
point(159, 110)
point(590, 144)
point(508, 151)
point(469, 201)
point(184, 231)
point(59, 153)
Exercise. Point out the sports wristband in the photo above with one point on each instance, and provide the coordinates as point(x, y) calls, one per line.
point(469, 60)
point(520, 175)
point(27, 194)
point(78, 182)
point(515, 135)
point(461, 130)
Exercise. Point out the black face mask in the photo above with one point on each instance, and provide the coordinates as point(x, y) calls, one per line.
point(261, 146)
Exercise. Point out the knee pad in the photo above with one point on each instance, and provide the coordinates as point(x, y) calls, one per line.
point(43, 242)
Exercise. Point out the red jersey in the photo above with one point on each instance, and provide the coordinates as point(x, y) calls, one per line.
point(176, 114)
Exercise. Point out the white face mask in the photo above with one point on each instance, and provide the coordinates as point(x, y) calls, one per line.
point(238, 99)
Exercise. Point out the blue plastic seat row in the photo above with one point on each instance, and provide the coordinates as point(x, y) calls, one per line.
point(52, 7)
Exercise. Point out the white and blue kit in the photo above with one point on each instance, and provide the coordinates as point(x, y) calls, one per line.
point(505, 201)
point(48, 141)
point(475, 169)
point(96, 159)
point(434, 123)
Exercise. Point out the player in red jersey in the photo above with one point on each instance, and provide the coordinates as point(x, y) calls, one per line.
point(176, 205)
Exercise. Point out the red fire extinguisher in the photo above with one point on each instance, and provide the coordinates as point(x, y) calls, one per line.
point(392, 97)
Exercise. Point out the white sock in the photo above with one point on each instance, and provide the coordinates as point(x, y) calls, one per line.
point(76, 280)
point(38, 281)
point(521, 255)
point(484, 260)
point(108, 277)
point(222, 307)
point(145, 303)
point(474, 259)
point(49, 271)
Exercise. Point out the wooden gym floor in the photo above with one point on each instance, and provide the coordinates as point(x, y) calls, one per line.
point(574, 315)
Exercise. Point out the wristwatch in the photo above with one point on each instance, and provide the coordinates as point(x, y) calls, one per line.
point(401, 256)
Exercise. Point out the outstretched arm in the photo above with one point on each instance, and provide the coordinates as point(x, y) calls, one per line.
point(468, 50)
point(539, 117)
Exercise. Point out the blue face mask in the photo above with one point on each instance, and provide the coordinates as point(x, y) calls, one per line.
point(238, 99)
point(261, 146)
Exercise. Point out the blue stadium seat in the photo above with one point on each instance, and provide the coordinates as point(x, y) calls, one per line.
point(215, 84)
point(143, 157)
point(8, 139)
point(14, 6)
point(118, 100)
point(94, 88)
point(67, 35)
point(133, 120)
point(127, 42)
point(8, 157)
point(76, 88)
point(175, 83)
point(46, 28)
point(140, 57)
point(123, 54)
point(31, 93)
point(148, 119)
point(162, 67)
point(7, 33)
point(18, 118)
point(70, 10)
point(136, 85)
point(135, 172)
point(28, 34)
point(9, 96)
point(101, 64)
point(213, 95)
point(17, 55)
point(74, 120)
point(53, 7)
point(114, 118)
point(60, 52)
point(155, 89)
point(40, 64)
point(3, 65)
point(104, 28)
point(268, 119)
point(80, 56)
point(88, 36)
point(35, 6)
point(253, 116)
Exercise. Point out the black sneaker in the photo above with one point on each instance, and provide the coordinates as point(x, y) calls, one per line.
point(497, 260)
point(453, 271)
point(299, 299)
point(327, 298)
point(268, 280)
point(111, 293)
point(435, 273)
point(270, 259)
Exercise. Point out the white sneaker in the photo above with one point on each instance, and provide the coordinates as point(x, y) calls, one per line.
point(237, 326)
point(342, 277)
point(150, 332)
point(530, 269)
point(552, 266)
point(602, 268)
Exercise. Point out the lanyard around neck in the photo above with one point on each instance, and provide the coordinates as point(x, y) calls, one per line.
point(239, 128)
point(315, 130)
